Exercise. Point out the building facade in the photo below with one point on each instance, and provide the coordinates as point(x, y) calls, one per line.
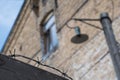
point(89, 60)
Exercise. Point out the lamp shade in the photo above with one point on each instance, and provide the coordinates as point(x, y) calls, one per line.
point(79, 38)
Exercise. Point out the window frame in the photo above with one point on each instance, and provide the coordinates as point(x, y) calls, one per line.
point(49, 40)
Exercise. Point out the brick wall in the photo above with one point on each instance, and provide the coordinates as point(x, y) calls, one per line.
point(86, 61)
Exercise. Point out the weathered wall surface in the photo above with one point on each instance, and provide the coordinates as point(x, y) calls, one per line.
point(86, 61)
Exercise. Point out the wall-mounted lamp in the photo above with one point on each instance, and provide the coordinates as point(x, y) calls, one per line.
point(109, 35)
point(79, 37)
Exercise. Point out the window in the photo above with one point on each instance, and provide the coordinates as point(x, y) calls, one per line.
point(49, 36)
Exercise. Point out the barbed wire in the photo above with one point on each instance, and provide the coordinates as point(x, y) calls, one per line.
point(39, 63)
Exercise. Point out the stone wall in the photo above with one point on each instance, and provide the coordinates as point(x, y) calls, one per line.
point(86, 61)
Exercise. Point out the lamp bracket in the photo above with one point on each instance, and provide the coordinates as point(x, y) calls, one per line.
point(85, 19)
